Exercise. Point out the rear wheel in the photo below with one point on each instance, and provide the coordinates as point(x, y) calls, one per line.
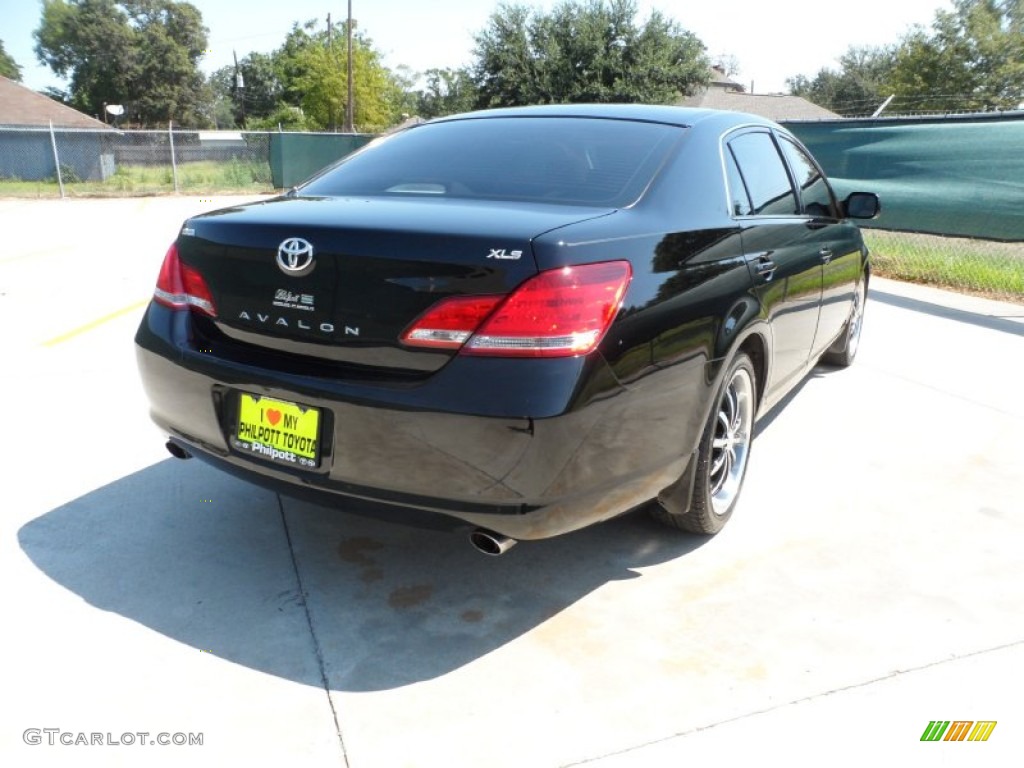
point(722, 455)
point(843, 352)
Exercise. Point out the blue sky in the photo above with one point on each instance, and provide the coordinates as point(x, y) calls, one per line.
point(770, 40)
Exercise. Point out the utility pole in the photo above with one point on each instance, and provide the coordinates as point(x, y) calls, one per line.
point(349, 128)
point(330, 54)
point(239, 87)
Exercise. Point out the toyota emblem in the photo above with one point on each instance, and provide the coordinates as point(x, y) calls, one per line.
point(295, 257)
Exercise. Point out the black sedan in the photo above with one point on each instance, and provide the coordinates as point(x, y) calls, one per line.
point(525, 320)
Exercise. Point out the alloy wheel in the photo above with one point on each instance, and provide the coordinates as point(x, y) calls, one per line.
point(730, 444)
point(856, 321)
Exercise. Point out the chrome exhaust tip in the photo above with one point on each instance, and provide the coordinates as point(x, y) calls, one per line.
point(177, 451)
point(491, 543)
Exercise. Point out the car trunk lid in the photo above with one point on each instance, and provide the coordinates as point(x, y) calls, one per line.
point(376, 265)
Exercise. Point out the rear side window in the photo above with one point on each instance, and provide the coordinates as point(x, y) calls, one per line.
point(739, 201)
point(764, 174)
point(814, 190)
point(581, 161)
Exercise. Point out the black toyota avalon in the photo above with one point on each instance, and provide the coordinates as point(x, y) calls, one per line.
point(528, 320)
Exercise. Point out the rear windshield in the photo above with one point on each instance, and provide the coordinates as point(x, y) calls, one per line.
point(576, 161)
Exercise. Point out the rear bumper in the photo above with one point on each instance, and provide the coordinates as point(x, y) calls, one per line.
point(553, 448)
point(518, 521)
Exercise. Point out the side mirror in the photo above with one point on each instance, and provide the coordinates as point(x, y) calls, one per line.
point(862, 205)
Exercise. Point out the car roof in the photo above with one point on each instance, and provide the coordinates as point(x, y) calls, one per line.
point(653, 113)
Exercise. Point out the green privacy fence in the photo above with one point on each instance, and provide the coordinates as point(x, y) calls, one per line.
point(961, 176)
point(952, 193)
point(294, 157)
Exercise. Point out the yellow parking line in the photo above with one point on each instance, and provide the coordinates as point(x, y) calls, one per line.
point(94, 324)
point(34, 254)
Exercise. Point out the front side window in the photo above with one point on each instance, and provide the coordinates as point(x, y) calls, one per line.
point(764, 173)
point(814, 189)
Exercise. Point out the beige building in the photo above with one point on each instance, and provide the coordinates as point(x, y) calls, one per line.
point(725, 93)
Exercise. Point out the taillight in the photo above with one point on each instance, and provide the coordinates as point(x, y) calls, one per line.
point(180, 286)
point(559, 313)
point(450, 322)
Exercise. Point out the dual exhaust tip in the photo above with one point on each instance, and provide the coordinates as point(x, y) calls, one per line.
point(489, 543)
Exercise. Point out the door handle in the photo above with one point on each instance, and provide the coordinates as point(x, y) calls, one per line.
point(765, 267)
point(826, 255)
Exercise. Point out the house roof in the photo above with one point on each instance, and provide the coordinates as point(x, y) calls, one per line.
point(24, 108)
point(774, 106)
point(721, 80)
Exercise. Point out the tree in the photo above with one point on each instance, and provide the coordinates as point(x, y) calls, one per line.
point(260, 95)
point(858, 88)
point(972, 58)
point(143, 54)
point(585, 51)
point(448, 92)
point(313, 69)
point(9, 68)
point(61, 97)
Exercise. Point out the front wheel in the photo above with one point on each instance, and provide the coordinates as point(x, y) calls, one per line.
point(722, 455)
point(843, 352)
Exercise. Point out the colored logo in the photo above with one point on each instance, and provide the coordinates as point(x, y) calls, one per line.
point(295, 257)
point(958, 730)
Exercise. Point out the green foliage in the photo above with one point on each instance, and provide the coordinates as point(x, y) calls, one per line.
point(303, 85)
point(142, 54)
point(68, 174)
point(972, 58)
point(448, 92)
point(313, 70)
point(857, 89)
point(202, 177)
point(9, 68)
point(285, 118)
point(980, 266)
point(585, 51)
point(260, 95)
point(61, 97)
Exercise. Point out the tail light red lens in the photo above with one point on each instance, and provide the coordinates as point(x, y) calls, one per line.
point(449, 323)
point(180, 286)
point(560, 313)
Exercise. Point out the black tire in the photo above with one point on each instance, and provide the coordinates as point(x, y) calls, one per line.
point(722, 455)
point(844, 351)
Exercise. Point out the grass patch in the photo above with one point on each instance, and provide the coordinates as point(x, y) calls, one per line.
point(204, 177)
point(975, 266)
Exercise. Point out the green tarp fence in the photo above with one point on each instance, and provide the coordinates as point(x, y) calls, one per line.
point(294, 157)
point(961, 176)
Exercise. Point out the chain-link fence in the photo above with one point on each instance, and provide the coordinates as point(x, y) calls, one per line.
point(987, 268)
point(79, 163)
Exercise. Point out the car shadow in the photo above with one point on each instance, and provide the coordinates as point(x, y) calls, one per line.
point(766, 419)
point(1009, 324)
point(235, 570)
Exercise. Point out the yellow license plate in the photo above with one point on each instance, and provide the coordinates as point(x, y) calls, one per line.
point(278, 430)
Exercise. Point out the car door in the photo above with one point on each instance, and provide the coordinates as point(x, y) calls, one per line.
point(839, 246)
point(782, 251)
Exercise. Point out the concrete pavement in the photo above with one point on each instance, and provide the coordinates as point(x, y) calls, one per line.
point(869, 583)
